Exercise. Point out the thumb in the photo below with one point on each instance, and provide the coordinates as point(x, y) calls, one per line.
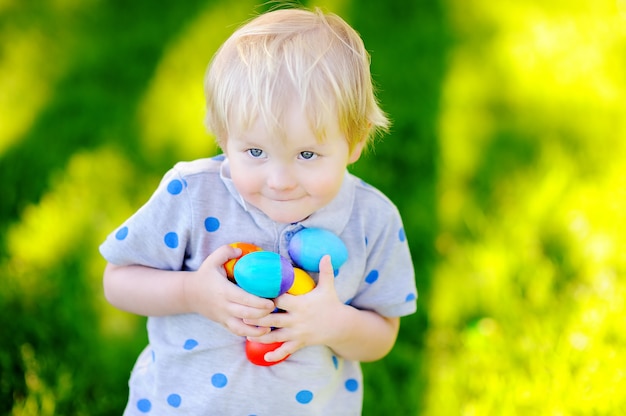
point(327, 274)
point(223, 254)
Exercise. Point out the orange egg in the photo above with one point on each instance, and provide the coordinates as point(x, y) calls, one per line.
point(246, 248)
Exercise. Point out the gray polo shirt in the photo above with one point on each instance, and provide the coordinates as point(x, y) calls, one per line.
point(193, 366)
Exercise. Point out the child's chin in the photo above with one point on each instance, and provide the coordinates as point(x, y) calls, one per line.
point(286, 217)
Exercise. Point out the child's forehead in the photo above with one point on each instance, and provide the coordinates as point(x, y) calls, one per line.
point(285, 120)
point(293, 130)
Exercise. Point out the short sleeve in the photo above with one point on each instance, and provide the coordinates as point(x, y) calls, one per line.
point(157, 234)
point(388, 286)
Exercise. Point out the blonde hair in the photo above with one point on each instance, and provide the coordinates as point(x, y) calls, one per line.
point(316, 57)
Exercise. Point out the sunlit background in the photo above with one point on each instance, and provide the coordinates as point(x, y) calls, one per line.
point(507, 159)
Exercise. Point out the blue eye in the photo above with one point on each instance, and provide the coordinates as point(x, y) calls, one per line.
point(307, 155)
point(255, 152)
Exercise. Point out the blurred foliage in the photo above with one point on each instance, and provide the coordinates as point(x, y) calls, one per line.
point(506, 159)
point(527, 299)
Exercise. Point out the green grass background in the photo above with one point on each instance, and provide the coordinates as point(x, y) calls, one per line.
point(506, 159)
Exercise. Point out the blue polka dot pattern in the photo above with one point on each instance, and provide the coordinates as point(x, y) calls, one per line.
point(372, 277)
point(175, 187)
point(335, 362)
point(190, 344)
point(219, 380)
point(304, 396)
point(144, 405)
point(352, 385)
point(211, 224)
point(171, 240)
point(401, 235)
point(122, 233)
point(174, 400)
point(410, 297)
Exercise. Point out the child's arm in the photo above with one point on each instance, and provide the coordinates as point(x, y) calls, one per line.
point(320, 318)
point(207, 291)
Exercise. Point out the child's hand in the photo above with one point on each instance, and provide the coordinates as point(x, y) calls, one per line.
point(209, 293)
point(307, 320)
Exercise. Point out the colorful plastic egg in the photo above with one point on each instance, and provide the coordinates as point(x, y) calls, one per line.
point(255, 351)
point(302, 282)
point(245, 248)
point(264, 273)
point(309, 245)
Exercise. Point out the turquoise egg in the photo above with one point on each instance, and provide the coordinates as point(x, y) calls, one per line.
point(264, 273)
point(309, 245)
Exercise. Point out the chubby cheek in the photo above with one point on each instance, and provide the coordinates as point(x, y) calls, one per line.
point(246, 183)
point(325, 187)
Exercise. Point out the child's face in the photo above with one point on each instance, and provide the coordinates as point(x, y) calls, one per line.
point(289, 179)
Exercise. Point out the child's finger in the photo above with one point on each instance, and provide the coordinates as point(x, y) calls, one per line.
point(239, 328)
point(327, 274)
point(223, 254)
point(241, 297)
point(281, 352)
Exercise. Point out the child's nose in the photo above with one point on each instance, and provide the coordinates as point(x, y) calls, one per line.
point(281, 178)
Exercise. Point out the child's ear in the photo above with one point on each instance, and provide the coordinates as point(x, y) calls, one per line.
point(355, 154)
